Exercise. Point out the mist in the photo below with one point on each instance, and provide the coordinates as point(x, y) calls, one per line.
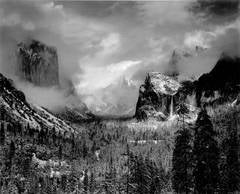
point(49, 97)
point(97, 47)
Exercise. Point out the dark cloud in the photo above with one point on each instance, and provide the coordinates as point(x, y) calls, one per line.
point(100, 9)
point(216, 11)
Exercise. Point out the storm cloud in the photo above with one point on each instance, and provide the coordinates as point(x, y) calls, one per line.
point(101, 43)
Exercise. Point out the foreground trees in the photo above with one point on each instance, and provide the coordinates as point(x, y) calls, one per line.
point(182, 162)
point(206, 156)
point(230, 165)
point(233, 163)
point(198, 162)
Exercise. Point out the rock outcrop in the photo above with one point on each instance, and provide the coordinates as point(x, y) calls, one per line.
point(37, 63)
point(157, 97)
point(161, 95)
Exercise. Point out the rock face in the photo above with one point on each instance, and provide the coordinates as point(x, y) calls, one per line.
point(161, 95)
point(37, 63)
point(157, 96)
point(221, 84)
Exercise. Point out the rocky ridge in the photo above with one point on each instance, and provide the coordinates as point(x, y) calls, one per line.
point(14, 107)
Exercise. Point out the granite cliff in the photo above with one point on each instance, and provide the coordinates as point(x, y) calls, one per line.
point(37, 63)
point(161, 95)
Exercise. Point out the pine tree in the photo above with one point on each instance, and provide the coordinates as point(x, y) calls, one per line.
point(60, 152)
point(12, 150)
point(84, 149)
point(92, 183)
point(2, 113)
point(54, 135)
point(182, 162)
point(140, 177)
point(128, 167)
point(110, 176)
point(2, 134)
point(182, 110)
point(232, 172)
point(206, 156)
point(10, 155)
point(85, 181)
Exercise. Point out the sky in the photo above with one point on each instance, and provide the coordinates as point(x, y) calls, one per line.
point(106, 48)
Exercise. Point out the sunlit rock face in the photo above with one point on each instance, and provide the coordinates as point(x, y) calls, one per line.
point(157, 97)
point(37, 63)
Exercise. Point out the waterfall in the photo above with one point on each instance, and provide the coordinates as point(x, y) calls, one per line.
point(171, 107)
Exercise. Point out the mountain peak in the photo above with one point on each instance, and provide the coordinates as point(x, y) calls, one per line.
point(37, 63)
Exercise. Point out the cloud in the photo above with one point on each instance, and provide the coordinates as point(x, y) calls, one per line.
point(211, 38)
point(97, 78)
point(51, 98)
point(101, 43)
point(215, 11)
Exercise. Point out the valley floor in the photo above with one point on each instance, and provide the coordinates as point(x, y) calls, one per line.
point(109, 156)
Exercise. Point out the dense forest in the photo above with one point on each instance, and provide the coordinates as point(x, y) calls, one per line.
point(112, 157)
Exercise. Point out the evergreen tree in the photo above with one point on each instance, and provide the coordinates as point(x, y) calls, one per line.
point(128, 166)
point(182, 162)
point(73, 144)
point(182, 110)
point(206, 156)
point(85, 181)
point(54, 135)
point(110, 176)
point(2, 113)
point(12, 150)
point(60, 152)
point(92, 183)
point(10, 155)
point(84, 149)
point(232, 168)
point(140, 177)
point(2, 134)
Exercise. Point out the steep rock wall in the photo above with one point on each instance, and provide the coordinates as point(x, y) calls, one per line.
point(37, 63)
